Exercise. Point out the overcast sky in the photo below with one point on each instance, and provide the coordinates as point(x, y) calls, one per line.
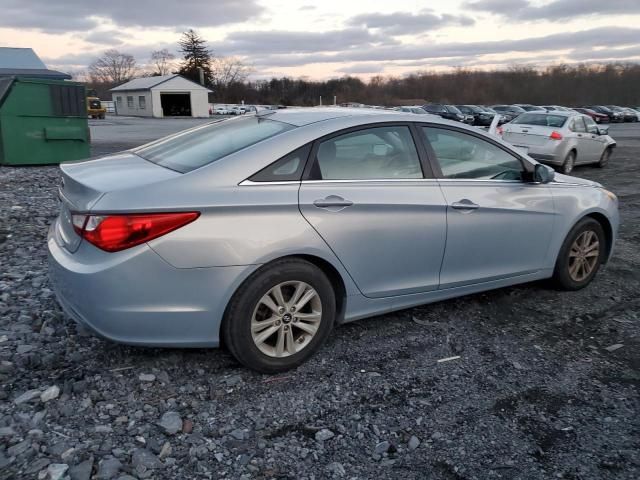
point(330, 38)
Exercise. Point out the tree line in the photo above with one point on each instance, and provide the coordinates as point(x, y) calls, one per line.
point(228, 77)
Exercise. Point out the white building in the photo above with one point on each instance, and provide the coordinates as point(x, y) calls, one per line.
point(164, 96)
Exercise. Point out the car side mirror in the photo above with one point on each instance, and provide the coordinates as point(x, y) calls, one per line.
point(603, 130)
point(543, 173)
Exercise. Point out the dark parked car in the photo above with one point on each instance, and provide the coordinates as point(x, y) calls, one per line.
point(508, 111)
point(627, 116)
point(613, 116)
point(481, 116)
point(445, 111)
point(596, 116)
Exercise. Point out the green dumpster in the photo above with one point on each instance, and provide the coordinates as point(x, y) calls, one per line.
point(42, 121)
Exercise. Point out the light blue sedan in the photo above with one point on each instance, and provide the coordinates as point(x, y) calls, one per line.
point(262, 232)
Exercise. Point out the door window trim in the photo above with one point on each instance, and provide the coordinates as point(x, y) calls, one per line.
point(527, 167)
point(425, 166)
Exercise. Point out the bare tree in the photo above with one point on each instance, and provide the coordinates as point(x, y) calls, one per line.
point(163, 60)
point(228, 70)
point(113, 67)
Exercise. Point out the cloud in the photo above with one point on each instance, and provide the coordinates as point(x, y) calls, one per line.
point(611, 37)
point(363, 68)
point(256, 43)
point(557, 10)
point(405, 23)
point(106, 37)
point(81, 15)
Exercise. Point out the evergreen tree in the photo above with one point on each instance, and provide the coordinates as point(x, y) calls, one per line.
point(196, 55)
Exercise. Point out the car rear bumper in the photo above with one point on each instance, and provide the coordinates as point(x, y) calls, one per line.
point(137, 298)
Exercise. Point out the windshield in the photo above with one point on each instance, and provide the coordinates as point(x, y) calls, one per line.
point(540, 119)
point(202, 145)
point(453, 109)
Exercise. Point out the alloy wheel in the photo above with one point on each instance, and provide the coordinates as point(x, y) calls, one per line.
point(584, 255)
point(286, 319)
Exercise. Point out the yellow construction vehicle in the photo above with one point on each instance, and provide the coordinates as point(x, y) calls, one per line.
point(95, 108)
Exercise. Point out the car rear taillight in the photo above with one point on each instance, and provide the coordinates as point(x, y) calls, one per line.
point(113, 233)
point(555, 135)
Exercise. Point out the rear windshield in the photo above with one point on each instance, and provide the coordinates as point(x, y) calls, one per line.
point(196, 147)
point(541, 119)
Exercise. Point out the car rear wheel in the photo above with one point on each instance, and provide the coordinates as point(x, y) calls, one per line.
point(580, 256)
point(604, 158)
point(569, 163)
point(280, 316)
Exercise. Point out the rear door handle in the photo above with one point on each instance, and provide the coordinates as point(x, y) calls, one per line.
point(335, 201)
point(465, 205)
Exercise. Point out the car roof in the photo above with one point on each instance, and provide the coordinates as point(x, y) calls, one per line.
point(560, 113)
point(308, 115)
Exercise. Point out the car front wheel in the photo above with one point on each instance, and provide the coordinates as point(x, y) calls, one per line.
point(580, 256)
point(280, 316)
point(604, 158)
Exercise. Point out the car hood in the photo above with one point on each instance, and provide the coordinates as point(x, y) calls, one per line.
point(568, 179)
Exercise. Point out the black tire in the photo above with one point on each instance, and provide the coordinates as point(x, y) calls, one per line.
point(561, 276)
point(569, 163)
point(604, 158)
point(236, 326)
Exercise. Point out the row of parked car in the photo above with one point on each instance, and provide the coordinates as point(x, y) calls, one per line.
point(559, 136)
point(232, 109)
point(481, 115)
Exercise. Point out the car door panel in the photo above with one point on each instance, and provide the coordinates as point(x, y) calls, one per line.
point(498, 226)
point(365, 194)
point(597, 143)
point(390, 239)
point(506, 233)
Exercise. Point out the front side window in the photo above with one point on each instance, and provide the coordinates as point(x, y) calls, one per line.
point(142, 102)
point(368, 154)
point(591, 125)
point(465, 156)
point(577, 125)
point(130, 102)
point(199, 146)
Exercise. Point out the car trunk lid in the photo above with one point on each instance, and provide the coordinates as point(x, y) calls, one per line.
point(527, 135)
point(84, 183)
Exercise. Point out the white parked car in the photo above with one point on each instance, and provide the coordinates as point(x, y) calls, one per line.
point(560, 139)
point(221, 111)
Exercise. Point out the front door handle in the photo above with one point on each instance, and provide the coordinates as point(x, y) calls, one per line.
point(465, 204)
point(334, 201)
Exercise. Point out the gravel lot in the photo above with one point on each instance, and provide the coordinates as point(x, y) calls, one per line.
point(546, 385)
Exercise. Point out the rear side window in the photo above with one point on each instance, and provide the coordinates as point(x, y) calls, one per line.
point(288, 169)
point(196, 147)
point(541, 119)
point(368, 154)
point(465, 156)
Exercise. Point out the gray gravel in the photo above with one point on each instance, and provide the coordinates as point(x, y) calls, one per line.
point(534, 394)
